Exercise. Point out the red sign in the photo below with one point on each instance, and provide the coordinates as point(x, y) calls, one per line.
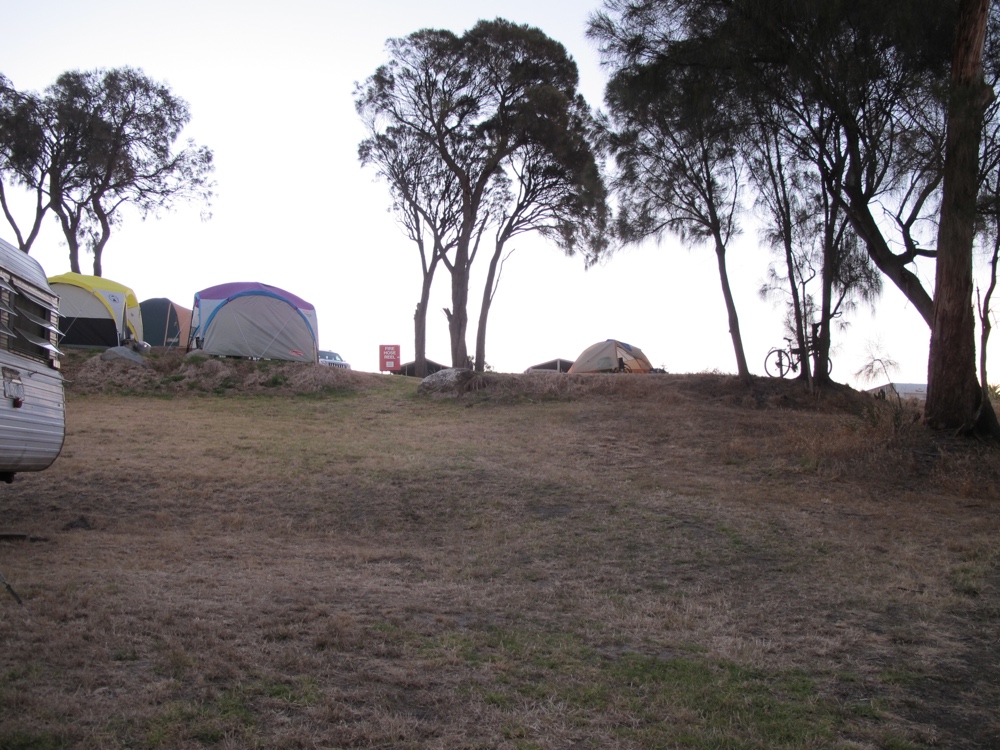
point(390, 357)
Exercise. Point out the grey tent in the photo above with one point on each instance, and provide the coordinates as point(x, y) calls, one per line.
point(250, 319)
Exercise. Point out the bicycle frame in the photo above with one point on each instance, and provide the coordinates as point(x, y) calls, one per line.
point(782, 360)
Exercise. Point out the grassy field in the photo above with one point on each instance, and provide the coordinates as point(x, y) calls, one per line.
point(244, 555)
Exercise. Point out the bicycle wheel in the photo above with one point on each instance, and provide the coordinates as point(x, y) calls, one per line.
point(777, 363)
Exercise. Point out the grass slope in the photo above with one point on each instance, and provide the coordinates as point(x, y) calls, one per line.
point(234, 554)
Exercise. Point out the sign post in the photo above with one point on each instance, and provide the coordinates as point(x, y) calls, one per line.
point(389, 358)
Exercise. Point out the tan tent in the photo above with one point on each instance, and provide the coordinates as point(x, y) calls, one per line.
point(611, 356)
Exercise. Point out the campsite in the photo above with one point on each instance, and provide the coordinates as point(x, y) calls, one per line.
point(233, 553)
point(236, 319)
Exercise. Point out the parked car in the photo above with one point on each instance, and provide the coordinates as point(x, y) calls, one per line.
point(332, 359)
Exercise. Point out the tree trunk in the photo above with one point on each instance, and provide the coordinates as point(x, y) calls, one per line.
point(984, 312)
point(734, 322)
point(420, 334)
point(458, 316)
point(484, 310)
point(779, 184)
point(801, 334)
point(105, 222)
point(866, 226)
point(70, 223)
point(24, 243)
point(954, 395)
point(420, 316)
point(69, 232)
point(823, 337)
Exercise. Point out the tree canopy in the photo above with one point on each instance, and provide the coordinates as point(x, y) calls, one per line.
point(498, 111)
point(91, 145)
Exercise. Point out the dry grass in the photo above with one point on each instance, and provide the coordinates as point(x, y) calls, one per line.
point(234, 554)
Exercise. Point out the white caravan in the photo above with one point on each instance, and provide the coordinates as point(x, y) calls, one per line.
point(33, 404)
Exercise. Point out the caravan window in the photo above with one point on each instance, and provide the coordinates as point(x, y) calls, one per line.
point(26, 324)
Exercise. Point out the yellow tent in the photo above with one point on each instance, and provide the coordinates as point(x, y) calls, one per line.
point(94, 311)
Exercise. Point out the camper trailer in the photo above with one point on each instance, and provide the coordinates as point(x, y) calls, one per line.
point(33, 407)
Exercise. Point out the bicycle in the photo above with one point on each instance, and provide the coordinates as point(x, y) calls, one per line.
point(782, 360)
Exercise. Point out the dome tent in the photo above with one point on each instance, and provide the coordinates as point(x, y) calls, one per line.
point(611, 356)
point(165, 323)
point(94, 311)
point(250, 319)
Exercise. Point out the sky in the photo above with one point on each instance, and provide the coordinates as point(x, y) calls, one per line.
point(270, 89)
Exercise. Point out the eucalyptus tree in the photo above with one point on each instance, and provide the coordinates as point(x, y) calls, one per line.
point(675, 139)
point(895, 75)
point(989, 195)
point(30, 148)
point(805, 223)
point(891, 74)
point(989, 236)
point(476, 101)
point(883, 70)
point(426, 203)
point(555, 189)
point(94, 144)
point(784, 188)
point(955, 399)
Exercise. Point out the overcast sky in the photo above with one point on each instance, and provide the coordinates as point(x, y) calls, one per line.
point(270, 91)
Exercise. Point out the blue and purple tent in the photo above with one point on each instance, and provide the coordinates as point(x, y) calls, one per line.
point(250, 319)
